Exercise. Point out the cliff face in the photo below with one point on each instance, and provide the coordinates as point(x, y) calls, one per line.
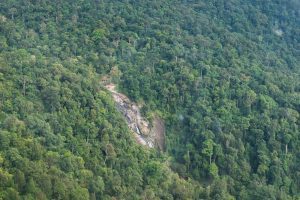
point(145, 134)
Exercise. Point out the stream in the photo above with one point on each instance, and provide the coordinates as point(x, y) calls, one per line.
point(150, 136)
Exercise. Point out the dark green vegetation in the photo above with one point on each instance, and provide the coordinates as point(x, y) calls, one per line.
point(223, 74)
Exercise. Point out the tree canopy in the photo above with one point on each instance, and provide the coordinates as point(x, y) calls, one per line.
point(224, 76)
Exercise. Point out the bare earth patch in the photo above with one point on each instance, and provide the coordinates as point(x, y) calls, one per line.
point(150, 136)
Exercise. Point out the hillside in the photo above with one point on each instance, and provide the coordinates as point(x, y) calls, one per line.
point(223, 75)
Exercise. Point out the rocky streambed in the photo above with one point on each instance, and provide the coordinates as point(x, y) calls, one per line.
point(146, 133)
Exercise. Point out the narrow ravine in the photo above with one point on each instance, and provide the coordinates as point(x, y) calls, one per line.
point(146, 133)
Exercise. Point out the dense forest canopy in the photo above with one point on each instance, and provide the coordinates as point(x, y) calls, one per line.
point(224, 76)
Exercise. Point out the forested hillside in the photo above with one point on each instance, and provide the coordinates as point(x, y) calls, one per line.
point(223, 74)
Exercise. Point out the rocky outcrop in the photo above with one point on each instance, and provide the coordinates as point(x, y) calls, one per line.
point(145, 134)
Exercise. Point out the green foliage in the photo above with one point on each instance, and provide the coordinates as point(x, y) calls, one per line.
point(98, 34)
point(224, 75)
point(213, 170)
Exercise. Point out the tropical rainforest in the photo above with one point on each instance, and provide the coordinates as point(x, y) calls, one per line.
point(224, 75)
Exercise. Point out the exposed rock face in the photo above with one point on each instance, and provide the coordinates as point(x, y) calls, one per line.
point(151, 136)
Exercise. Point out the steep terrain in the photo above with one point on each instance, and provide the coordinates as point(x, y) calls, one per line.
point(150, 136)
point(222, 74)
